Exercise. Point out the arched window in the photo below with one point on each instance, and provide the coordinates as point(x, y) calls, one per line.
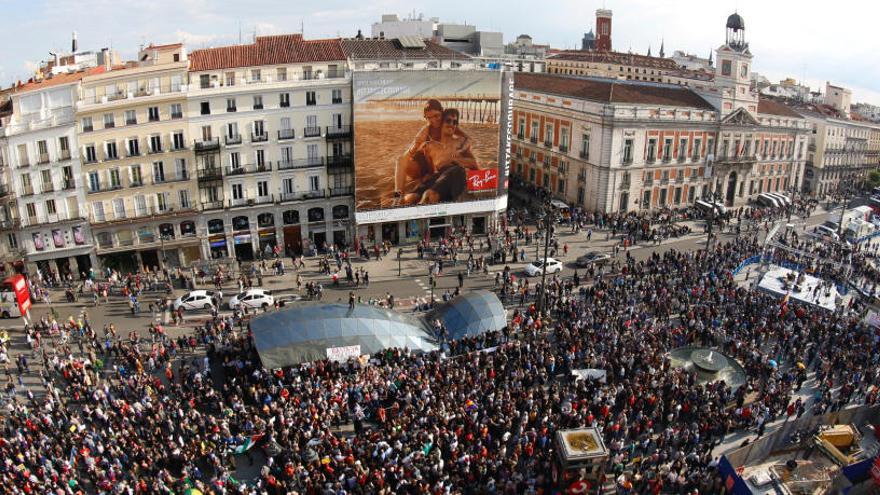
point(266, 220)
point(187, 228)
point(241, 223)
point(166, 231)
point(215, 226)
point(316, 214)
point(340, 212)
point(290, 217)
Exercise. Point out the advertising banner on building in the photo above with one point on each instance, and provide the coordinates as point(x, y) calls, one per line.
point(426, 138)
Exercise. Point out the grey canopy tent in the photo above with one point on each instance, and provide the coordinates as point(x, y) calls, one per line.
point(314, 331)
point(471, 314)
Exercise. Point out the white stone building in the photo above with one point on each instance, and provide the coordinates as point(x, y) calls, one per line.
point(272, 128)
point(47, 227)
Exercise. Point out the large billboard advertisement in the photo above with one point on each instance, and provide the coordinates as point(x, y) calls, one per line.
point(425, 139)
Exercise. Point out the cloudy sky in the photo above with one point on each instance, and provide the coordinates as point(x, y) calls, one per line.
point(805, 40)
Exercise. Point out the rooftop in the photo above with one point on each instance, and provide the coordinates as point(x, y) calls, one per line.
point(615, 58)
point(392, 49)
point(267, 50)
point(608, 91)
point(773, 107)
point(59, 79)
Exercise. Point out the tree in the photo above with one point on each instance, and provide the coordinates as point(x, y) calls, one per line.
point(874, 178)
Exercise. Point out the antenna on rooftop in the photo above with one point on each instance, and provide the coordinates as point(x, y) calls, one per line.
point(239, 31)
point(302, 28)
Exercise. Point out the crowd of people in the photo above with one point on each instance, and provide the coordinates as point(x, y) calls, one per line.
point(126, 414)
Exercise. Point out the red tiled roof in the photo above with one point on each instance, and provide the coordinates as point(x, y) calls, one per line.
point(772, 107)
point(60, 79)
point(167, 45)
point(615, 58)
point(385, 49)
point(608, 91)
point(267, 50)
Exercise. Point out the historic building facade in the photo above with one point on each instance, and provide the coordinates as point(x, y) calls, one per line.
point(271, 123)
point(138, 162)
point(46, 223)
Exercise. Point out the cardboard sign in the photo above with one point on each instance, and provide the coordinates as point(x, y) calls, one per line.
point(343, 353)
point(482, 180)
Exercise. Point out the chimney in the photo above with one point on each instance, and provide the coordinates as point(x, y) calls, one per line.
point(105, 56)
point(73, 45)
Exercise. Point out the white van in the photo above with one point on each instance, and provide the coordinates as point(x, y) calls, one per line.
point(9, 305)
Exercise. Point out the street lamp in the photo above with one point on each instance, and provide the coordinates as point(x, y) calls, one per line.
point(548, 225)
point(399, 257)
point(710, 221)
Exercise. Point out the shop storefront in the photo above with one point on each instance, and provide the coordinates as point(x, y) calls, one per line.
point(266, 234)
point(409, 225)
point(217, 239)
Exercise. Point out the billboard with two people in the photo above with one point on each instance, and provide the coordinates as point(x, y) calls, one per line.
point(427, 138)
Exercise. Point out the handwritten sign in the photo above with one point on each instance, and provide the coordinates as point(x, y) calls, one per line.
point(343, 353)
point(482, 180)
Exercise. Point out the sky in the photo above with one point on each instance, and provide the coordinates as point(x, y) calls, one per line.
point(806, 40)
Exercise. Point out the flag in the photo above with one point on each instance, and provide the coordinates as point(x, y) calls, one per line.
point(785, 299)
point(249, 442)
point(469, 405)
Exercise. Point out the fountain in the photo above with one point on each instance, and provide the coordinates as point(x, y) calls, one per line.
point(709, 365)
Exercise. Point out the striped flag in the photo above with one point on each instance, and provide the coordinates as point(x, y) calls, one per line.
point(249, 442)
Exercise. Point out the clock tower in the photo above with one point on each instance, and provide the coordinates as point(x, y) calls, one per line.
point(733, 64)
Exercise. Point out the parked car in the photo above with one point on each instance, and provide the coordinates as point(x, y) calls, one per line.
point(197, 299)
point(591, 258)
point(536, 267)
point(252, 299)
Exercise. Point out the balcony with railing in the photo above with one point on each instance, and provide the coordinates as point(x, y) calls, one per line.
point(259, 137)
point(341, 191)
point(584, 155)
point(338, 132)
point(68, 184)
point(534, 139)
point(105, 188)
point(339, 161)
point(206, 145)
point(315, 161)
point(144, 212)
point(290, 79)
point(209, 174)
point(51, 218)
point(548, 144)
point(233, 140)
point(27, 190)
point(179, 176)
point(5, 190)
point(285, 134)
point(213, 205)
point(143, 91)
point(253, 168)
point(47, 188)
point(246, 201)
point(563, 148)
point(311, 132)
point(42, 158)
